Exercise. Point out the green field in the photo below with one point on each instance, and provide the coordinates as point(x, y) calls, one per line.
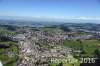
point(88, 46)
point(5, 59)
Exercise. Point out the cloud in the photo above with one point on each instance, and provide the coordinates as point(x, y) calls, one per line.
point(56, 19)
point(83, 20)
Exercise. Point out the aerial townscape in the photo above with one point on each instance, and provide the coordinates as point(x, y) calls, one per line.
point(60, 44)
point(49, 32)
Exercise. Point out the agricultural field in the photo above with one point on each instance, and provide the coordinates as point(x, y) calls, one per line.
point(10, 48)
point(89, 46)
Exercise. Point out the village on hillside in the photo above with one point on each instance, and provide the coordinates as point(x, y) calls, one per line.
point(48, 45)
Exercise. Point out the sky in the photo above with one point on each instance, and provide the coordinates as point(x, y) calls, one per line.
point(51, 8)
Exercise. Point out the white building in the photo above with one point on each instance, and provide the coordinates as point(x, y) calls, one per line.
point(19, 37)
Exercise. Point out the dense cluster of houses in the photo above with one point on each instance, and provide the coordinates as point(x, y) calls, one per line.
point(37, 47)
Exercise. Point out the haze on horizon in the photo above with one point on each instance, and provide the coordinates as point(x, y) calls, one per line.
point(63, 9)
